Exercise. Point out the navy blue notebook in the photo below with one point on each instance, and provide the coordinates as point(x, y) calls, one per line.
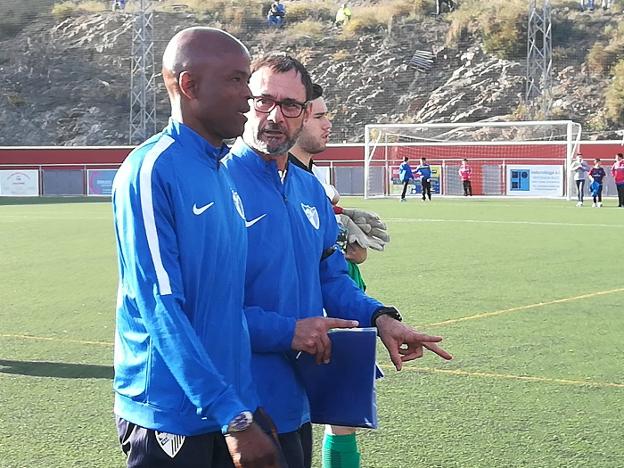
point(342, 393)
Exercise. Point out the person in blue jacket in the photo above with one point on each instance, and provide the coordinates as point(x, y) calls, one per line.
point(182, 350)
point(276, 14)
point(405, 176)
point(424, 170)
point(294, 269)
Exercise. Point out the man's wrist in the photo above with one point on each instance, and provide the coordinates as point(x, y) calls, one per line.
point(240, 422)
point(390, 311)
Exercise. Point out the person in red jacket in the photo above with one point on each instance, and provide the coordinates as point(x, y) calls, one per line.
point(617, 171)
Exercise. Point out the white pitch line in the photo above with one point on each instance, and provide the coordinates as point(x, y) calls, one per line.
point(483, 221)
point(524, 307)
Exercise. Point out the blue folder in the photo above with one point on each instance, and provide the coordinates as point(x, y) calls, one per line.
point(342, 393)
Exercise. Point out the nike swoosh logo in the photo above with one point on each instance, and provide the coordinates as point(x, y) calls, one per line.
point(197, 211)
point(254, 221)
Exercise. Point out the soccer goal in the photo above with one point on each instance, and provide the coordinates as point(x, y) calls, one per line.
point(515, 159)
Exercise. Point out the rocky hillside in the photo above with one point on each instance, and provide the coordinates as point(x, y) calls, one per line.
point(67, 82)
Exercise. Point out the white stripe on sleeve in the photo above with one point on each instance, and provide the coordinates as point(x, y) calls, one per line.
point(147, 208)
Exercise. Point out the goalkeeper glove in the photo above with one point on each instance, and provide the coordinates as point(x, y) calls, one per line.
point(371, 225)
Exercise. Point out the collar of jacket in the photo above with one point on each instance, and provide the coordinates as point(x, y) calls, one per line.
point(256, 163)
point(251, 158)
point(189, 138)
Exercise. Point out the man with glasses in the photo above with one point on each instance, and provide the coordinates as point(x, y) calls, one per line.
point(294, 270)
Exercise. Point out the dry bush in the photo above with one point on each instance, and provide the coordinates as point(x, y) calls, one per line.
point(614, 96)
point(341, 55)
point(501, 23)
point(64, 10)
point(307, 29)
point(600, 59)
point(306, 10)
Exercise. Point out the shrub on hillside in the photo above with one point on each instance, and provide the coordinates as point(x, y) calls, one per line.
point(310, 10)
point(307, 29)
point(614, 97)
point(600, 59)
point(501, 23)
point(64, 10)
point(369, 18)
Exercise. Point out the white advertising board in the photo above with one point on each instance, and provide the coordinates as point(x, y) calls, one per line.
point(524, 180)
point(19, 183)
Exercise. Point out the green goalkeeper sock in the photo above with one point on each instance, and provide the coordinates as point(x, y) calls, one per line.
point(340, 451)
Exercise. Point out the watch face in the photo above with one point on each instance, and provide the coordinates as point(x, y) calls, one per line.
point(241, 422)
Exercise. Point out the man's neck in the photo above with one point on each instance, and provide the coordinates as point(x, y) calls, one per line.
point(197, 127)
point(280, 159)
point(301, 155)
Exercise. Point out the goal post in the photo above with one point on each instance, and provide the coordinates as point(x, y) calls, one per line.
point(515, 159)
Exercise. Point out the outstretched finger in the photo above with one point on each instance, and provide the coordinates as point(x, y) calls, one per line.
point(332, 322)
point(323, 347)
point(422, 337)
point(439, 351)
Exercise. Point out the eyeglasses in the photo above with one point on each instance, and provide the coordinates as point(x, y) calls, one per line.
point(289, 107)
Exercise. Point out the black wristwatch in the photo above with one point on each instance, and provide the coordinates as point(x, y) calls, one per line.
point(240, 423)
point(391, 311)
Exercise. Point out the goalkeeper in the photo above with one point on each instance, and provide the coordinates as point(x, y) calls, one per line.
point(360, 230)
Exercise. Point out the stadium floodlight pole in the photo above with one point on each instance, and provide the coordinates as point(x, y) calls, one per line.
point(142, 76)
point(539, 60)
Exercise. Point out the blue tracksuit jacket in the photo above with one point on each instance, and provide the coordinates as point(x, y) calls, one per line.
point(290, 225)
point(425, 171)
point(405, 172)
point(182, 353)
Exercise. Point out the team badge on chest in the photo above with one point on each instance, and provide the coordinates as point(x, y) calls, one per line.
point(312, 215)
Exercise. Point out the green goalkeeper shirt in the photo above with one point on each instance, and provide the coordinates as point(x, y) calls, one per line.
point(354, 273)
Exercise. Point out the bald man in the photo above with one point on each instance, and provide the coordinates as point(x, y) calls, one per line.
point(183, 390)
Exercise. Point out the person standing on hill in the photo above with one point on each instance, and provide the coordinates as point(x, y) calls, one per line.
point(617, 171)
point(343, 15)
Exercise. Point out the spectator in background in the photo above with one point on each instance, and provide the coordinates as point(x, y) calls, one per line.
point(596, 176)
point(465, 172)
point(405, 176)
point(587, 3)
point(276, 14)
point(119, 5)
point(580, 169)
point(606, 4)
point(617, 171)
point(450, 4)
point(424, 170)
point(343, 15)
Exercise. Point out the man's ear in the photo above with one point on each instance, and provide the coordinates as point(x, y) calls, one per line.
point(306, 112)
point(187, 85)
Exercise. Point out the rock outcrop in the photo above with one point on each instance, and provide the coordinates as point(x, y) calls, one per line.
point(68, 83)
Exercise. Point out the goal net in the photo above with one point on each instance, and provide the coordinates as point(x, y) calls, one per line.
point(516, 159)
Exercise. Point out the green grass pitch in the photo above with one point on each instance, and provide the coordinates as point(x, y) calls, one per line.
point(528, 295)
